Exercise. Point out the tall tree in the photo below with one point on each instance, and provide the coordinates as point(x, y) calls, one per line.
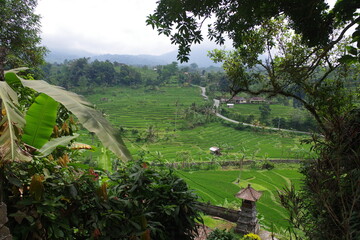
point(19, 35)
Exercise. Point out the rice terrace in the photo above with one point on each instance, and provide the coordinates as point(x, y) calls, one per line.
point(135, 110)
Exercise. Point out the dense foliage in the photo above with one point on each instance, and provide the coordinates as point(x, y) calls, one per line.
point(85, 74)
point(47, 200)
point(218, 234)
point(182, 21)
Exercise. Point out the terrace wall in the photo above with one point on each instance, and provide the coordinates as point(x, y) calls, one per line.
point(216, 211)
point(224, 163)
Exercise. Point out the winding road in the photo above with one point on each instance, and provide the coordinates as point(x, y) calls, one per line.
point(217, 105)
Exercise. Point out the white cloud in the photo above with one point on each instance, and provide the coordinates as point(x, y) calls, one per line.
point(107, 26)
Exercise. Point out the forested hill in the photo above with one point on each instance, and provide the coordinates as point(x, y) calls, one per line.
point(198, 56)
point(84, 74)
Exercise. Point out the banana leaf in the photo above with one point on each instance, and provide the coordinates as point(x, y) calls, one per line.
point(40, 121)
point(11, 78)
point(10, 126)
point(91, 119)
point(104, 160)
point(51, 145)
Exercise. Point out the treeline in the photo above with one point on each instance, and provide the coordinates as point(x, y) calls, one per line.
point(82, 73)
point(299, 120)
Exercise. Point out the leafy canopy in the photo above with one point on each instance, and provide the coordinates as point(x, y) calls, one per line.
point(19, 35)
point(182, 20)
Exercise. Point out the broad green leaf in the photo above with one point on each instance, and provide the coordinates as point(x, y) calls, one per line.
point(51, 145)
point(351, 50)
point(91, 119)
point(104, 160)
point(11, 77)
point(347, 59)
point(12, 123)
point(40, 121)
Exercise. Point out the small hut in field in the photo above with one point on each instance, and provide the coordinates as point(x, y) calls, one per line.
point(215, 151)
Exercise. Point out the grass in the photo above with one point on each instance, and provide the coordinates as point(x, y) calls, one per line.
point(219, 188)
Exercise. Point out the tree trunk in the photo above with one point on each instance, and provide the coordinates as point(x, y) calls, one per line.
point(3, 52)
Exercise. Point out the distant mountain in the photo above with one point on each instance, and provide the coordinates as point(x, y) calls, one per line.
point(59, 56)
point(198, 56)
point(150, 60)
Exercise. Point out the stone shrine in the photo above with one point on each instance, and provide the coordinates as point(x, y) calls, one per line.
point(248, 222)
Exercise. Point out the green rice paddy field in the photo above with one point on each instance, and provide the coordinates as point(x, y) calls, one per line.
point(216, 186)
point(137, 109)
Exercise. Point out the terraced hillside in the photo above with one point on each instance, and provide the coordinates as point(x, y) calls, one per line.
point(216, 186)
point(137, 110)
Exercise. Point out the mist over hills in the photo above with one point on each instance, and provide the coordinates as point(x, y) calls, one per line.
point(198, 56)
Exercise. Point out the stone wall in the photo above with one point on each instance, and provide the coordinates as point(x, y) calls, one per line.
point(4, 231)
point(216, 211)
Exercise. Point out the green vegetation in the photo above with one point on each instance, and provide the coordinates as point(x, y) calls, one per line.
point(274, 115)
point(139, 108)
point(50, 195)
point(136, 111)
point(219, 187)
point(277, 110)
point(19, 35)
point(301, 50)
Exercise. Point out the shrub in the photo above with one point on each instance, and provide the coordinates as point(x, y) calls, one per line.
point(218, 234)
point(267, 165)
point(46, 201)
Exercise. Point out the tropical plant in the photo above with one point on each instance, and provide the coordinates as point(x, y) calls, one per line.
point(218, 234)
point(24, 138)
point(36, 125)
point(50, 201)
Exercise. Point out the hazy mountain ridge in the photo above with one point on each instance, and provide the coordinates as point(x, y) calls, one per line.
point(198, 56)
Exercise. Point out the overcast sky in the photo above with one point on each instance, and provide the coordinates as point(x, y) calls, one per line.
point(106, 26)
point(100, 27)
